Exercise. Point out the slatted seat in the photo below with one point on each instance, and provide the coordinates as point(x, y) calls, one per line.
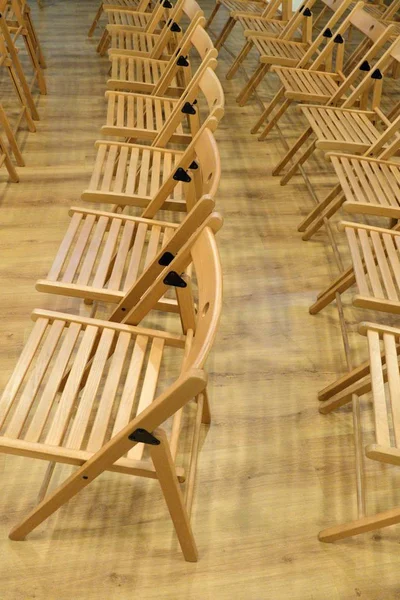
point(252, 7)
point(371, 186)
point(124, 41)
point(271, 27)
point(288, 53)
point(131, 4)
point(140, 20)
point(301, 84)
point(138, 74)
point(93, 393)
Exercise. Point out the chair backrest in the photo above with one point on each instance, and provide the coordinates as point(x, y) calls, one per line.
point(191, 8)
point(168, 29)
point(207, 177)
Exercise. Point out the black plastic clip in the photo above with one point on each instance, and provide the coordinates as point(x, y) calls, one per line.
point(166, 259)
point(193, 166)
point(144, 436)
point(182, 61)
point(175, 27)
point(338, 39)
point(188, 109)
point(377, 74)
point(365, 66)
point(181, 175)
point(327, 33)
point(307, 13)
point(174, 279)
point(166, 3)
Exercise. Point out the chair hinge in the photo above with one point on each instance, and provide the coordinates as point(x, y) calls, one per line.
point(143, 436)
point(365, 66)
point(166, 3)
point(175, 27)
point(377, 74)
point(181, 175)
point(327, 33)
point(188, 109)
point(307, 13)
point(166, 259)
point(175, 280)
point(338, 39)
point(193, 165)
point(182, 61)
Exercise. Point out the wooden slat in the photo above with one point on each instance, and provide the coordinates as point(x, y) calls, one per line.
point(79, 249)
point(392, 361)
point(108, 251)
point(378, 390)
point(91, 255)
point(64, 247)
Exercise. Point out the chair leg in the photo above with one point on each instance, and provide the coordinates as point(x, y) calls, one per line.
point(252, 84)
point(267, 110)
point(363, 525)
point(11, 138)
point(223, 36)
point(36, 66)
point(165, 469)
point(213, 14)
point(292, 171)
point(102, 41)
point(206, 414)
point(319, 208)
point(288, 156)
point(239, 59)
point(340, 285)
point(9, 166)
point(325, 214)
point(96, 20)
point(271, 124)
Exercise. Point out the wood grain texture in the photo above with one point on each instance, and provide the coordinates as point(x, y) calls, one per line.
point(273, 471)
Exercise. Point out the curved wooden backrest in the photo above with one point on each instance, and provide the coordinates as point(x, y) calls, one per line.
point(191, 8)
point(367, 24)
point(208, 158)
point(201, 41)
point(208, 271)
point(211, 87)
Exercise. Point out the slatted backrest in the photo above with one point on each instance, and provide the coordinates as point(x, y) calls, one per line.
point(272, 8)
point(368, 25)
point(168, 29)
point(207, 177)
point(297, 19)
point(191, 8)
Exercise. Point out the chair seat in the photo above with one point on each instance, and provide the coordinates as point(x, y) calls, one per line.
point(280, 52)
point(375, 254)
point(304, 85)
point(133, 73)
point(102, 255)
point(133, 174)
point(242, 5)
point(370, 186)
point(125, 3)
point(140, 116)
point(259, 25)
point(78, 382)
point(128, 18)
point(124, 41)
point(341, 129)
point(384, 365)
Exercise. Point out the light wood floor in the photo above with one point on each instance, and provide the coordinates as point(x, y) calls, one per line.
point(272, 471)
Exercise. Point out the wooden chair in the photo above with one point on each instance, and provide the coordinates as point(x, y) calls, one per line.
point(149, 177)
point(103, 254)
point(10, 59)
point(16, 14)
point(146, 22)
point(344, 128)
point(250, 6)
point(275, 11)
point(284, 50)
point(324, 81)
point(381, 368)
point(155, 76)
point(139, 5)
point(84, 392)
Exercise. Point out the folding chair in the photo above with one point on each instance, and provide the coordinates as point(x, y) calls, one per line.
point(154, 76)
point(381, 376)
point(80, 382)
point(284, 50)
point(324, 81)
point(9, 58)
point(161, 119)
point(256, 7)
point(103, 254)
point(18, 18)
point(145, 22)
point(344, 128)
point(139, 5)
point(276, 11)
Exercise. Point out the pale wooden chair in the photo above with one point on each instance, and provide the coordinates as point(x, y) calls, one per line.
point(324, 81)
point(379, 375)
point(139, 5)
point(256, 7)
point(149, 177)
point(278, 12)
point(155, 76)
point(95, 393)
point(146, 22)
point(16, 14)
point(344, 128)
point(103, 254)
point(9, 58)
point(285, 50)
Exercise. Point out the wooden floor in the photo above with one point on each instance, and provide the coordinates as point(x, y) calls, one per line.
point(272, 471)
